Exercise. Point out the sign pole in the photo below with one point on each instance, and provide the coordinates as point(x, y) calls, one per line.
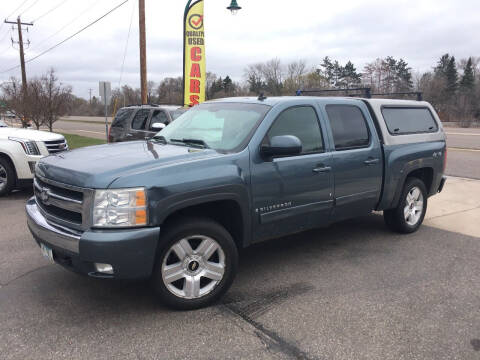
point(106, 121)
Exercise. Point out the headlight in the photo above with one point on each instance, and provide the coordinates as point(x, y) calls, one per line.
point(29, 146)
point(120, 208)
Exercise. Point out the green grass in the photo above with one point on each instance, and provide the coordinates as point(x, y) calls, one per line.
point(77, 141)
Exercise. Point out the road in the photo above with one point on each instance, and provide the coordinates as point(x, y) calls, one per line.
point(354, 290)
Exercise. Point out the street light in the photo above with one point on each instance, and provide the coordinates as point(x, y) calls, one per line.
point(234, 7)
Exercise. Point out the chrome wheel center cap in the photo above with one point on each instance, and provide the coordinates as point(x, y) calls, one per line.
point(193, 264)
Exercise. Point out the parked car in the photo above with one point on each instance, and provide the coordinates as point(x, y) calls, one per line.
point(20, 150)
point(139, 122)
point(3, 124)
point(230, 173)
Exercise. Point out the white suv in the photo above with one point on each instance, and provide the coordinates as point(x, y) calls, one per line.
point(20, 149)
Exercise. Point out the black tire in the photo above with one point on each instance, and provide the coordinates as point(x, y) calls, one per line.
point(190, 227)
point(7, 170)
point(395, 218)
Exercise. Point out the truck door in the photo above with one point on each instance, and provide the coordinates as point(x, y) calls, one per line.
point(357, 160)
point(293, 193)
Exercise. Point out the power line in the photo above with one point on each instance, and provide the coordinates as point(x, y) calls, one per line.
point(89, 8)
point(126, 46)
point(19, 6)
point(28, 8)
point(49, 11)
point(68, 38)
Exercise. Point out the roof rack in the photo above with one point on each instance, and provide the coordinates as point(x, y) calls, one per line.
point(364, 92)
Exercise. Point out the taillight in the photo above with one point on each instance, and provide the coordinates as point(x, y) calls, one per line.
point(109, 138)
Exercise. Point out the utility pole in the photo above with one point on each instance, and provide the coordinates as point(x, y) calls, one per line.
point(143, 51)
point(90, 93)
point(19, 24)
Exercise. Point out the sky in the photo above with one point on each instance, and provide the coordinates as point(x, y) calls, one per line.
point(419, 31)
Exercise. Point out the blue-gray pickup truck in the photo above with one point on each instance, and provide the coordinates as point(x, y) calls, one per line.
point(177, 208)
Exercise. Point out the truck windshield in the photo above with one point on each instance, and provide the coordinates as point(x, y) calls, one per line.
point(225, 127)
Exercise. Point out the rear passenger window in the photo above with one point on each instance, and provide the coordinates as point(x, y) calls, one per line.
point(349, 127)
point(140, 120)
point(402, 120)
point(121, 118)
point(301, 122)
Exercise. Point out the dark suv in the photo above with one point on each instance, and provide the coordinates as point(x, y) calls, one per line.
point(139, 122)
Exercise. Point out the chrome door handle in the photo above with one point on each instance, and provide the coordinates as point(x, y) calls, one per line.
point(371, 162)
point(322, 169)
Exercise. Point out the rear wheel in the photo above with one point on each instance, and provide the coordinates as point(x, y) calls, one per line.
point(7, 177)
point(196, 264)
point(410, 212)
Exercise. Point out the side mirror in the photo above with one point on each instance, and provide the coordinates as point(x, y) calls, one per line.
point(284, 145)
point(158, 126)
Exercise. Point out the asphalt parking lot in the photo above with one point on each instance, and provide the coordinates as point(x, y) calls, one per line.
point(352, 291)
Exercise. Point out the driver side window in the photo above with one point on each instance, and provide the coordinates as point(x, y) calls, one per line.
point(302, 122)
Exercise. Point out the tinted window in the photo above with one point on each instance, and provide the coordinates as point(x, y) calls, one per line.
point(176, 113)
point(158, 116)
point(349, 127)
point(301, 122)
point(122, 117)
point(140, 120)
point(409, 120)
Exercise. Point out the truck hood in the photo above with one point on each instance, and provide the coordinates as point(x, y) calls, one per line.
point(28, 134)
point(98, 166)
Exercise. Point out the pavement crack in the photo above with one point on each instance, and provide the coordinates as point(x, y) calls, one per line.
point(23, 275)
point(273, 340)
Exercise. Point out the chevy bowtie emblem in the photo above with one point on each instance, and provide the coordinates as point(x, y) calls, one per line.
point(44, 196)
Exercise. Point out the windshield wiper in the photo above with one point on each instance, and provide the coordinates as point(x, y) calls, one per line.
point(192, 142)
point(160, 138)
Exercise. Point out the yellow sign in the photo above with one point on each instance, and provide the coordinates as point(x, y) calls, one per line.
point(194, 68)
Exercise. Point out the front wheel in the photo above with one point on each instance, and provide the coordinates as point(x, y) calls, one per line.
point(7, 177)
point(410, 212)
point(196, 264)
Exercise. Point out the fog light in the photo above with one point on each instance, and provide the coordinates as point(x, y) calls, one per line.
point(104, 268)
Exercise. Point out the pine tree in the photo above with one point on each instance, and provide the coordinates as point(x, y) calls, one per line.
point(350, 77)
point(404, 76)
point(468, 79)
point(227, 84)
point(452, 76)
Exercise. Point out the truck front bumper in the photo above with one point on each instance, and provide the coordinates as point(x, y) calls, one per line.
point(131, 252)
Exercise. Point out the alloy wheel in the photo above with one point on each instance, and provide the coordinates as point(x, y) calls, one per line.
point(193, 267)
point(414, 206)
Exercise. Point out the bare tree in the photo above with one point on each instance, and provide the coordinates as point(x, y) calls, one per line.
point(296, 72)
point(15, 99)
point(170, 91)
point(56, 98)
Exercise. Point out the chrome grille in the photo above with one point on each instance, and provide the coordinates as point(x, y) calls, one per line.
point(63, 205)
point(55, 146)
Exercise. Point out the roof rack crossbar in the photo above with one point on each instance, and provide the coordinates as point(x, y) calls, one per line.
point(366, 90)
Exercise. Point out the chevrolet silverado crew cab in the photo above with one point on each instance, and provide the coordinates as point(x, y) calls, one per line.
point(229, 173)
point(20, 149)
